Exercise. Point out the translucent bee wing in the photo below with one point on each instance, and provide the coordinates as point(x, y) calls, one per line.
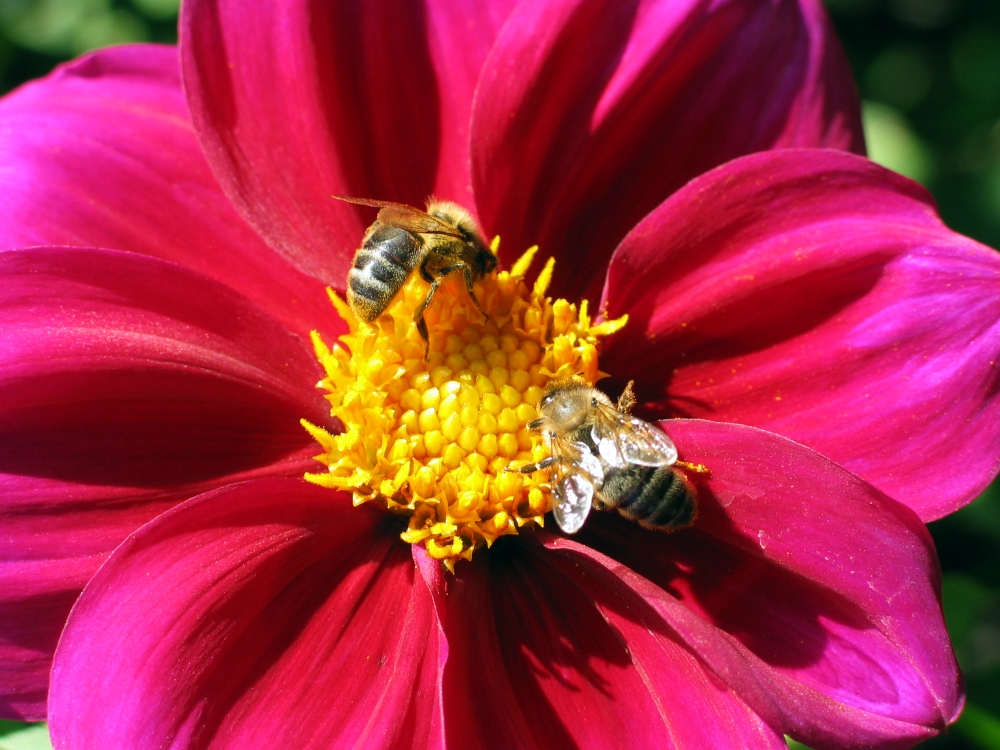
point(622, 439)
point(370, 202)
point(414, 220)
point(589, 463)
point(576, 476)
point(647, 445)
point(574, 495)
point(406, 217)
point(608, 448)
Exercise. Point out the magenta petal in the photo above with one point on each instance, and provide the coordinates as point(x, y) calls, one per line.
point(126, 384)
point(535, 662)
point(817, 295)
point(814, 596)
point(265, 614)
point(37, 597)
point(297, 101)
point(102, 154)
point(591, 112)
point(460, 34)
point(119, 370)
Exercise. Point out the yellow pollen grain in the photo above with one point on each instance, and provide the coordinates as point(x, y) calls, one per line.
point(492, 403)
point(430, 440)
point(468, 438)
point(428, 420)
point(507, 422)
point(487, 445)
point(451, 427)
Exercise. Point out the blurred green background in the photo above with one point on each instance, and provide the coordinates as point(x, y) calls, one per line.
point(929, 74)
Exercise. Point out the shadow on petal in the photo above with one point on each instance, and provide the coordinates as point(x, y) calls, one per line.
point(32, 624)
point(536, 661)
point(538, 652)
point(754, 319)
point(572, 143)
point(269, 613)
point(151, 429)
point(352, 107)
point(782, 617)
point(308, 619)
point(827, 586)
point(817, 295)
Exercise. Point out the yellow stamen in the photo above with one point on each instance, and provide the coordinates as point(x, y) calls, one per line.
point(430, 440)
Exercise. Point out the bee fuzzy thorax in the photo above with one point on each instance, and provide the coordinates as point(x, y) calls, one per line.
point(456, 215)
point(440, 241)
point(430, 429)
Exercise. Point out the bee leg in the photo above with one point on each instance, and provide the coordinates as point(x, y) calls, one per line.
point(532, 468)
point(435, 280)
point(467, 272)
point(418, 316)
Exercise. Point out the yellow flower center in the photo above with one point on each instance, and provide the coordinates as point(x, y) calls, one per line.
point(432, 439)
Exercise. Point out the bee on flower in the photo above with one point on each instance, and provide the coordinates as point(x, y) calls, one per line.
point(695, 174)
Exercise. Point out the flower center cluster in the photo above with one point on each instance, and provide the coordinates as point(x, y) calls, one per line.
point(432, 439)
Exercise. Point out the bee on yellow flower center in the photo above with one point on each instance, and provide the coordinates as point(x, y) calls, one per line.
point(431, 438)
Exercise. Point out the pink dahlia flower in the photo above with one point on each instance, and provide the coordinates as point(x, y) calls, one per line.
point(829, 343)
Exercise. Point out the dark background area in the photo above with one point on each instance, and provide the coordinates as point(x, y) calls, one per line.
point(929, 74)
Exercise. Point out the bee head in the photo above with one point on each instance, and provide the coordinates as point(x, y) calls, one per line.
point(451, 213)
point(565, 404)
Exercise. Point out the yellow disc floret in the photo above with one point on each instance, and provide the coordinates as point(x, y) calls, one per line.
point(432, 439)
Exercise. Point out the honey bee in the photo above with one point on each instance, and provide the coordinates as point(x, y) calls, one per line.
point(603, 457)
point(438, 241)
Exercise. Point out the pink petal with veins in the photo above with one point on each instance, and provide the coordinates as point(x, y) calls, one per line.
point(811, 594)
point(534, 662)
point(819, 296)
point(302, 617)
point(591, 112)
point(101, 153)
point(126, 385)
point(298, 101)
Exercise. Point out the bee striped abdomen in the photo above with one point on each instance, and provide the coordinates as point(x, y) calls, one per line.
point(381, 267)
point(655, 497)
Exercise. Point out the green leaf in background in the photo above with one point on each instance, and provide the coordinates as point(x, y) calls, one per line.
point(967, 605)
point(892, 143)
point(161, 10)
point(980, 727)
point(16, 736)
point(69, 27)
point(901, 77)
point(36, 35)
